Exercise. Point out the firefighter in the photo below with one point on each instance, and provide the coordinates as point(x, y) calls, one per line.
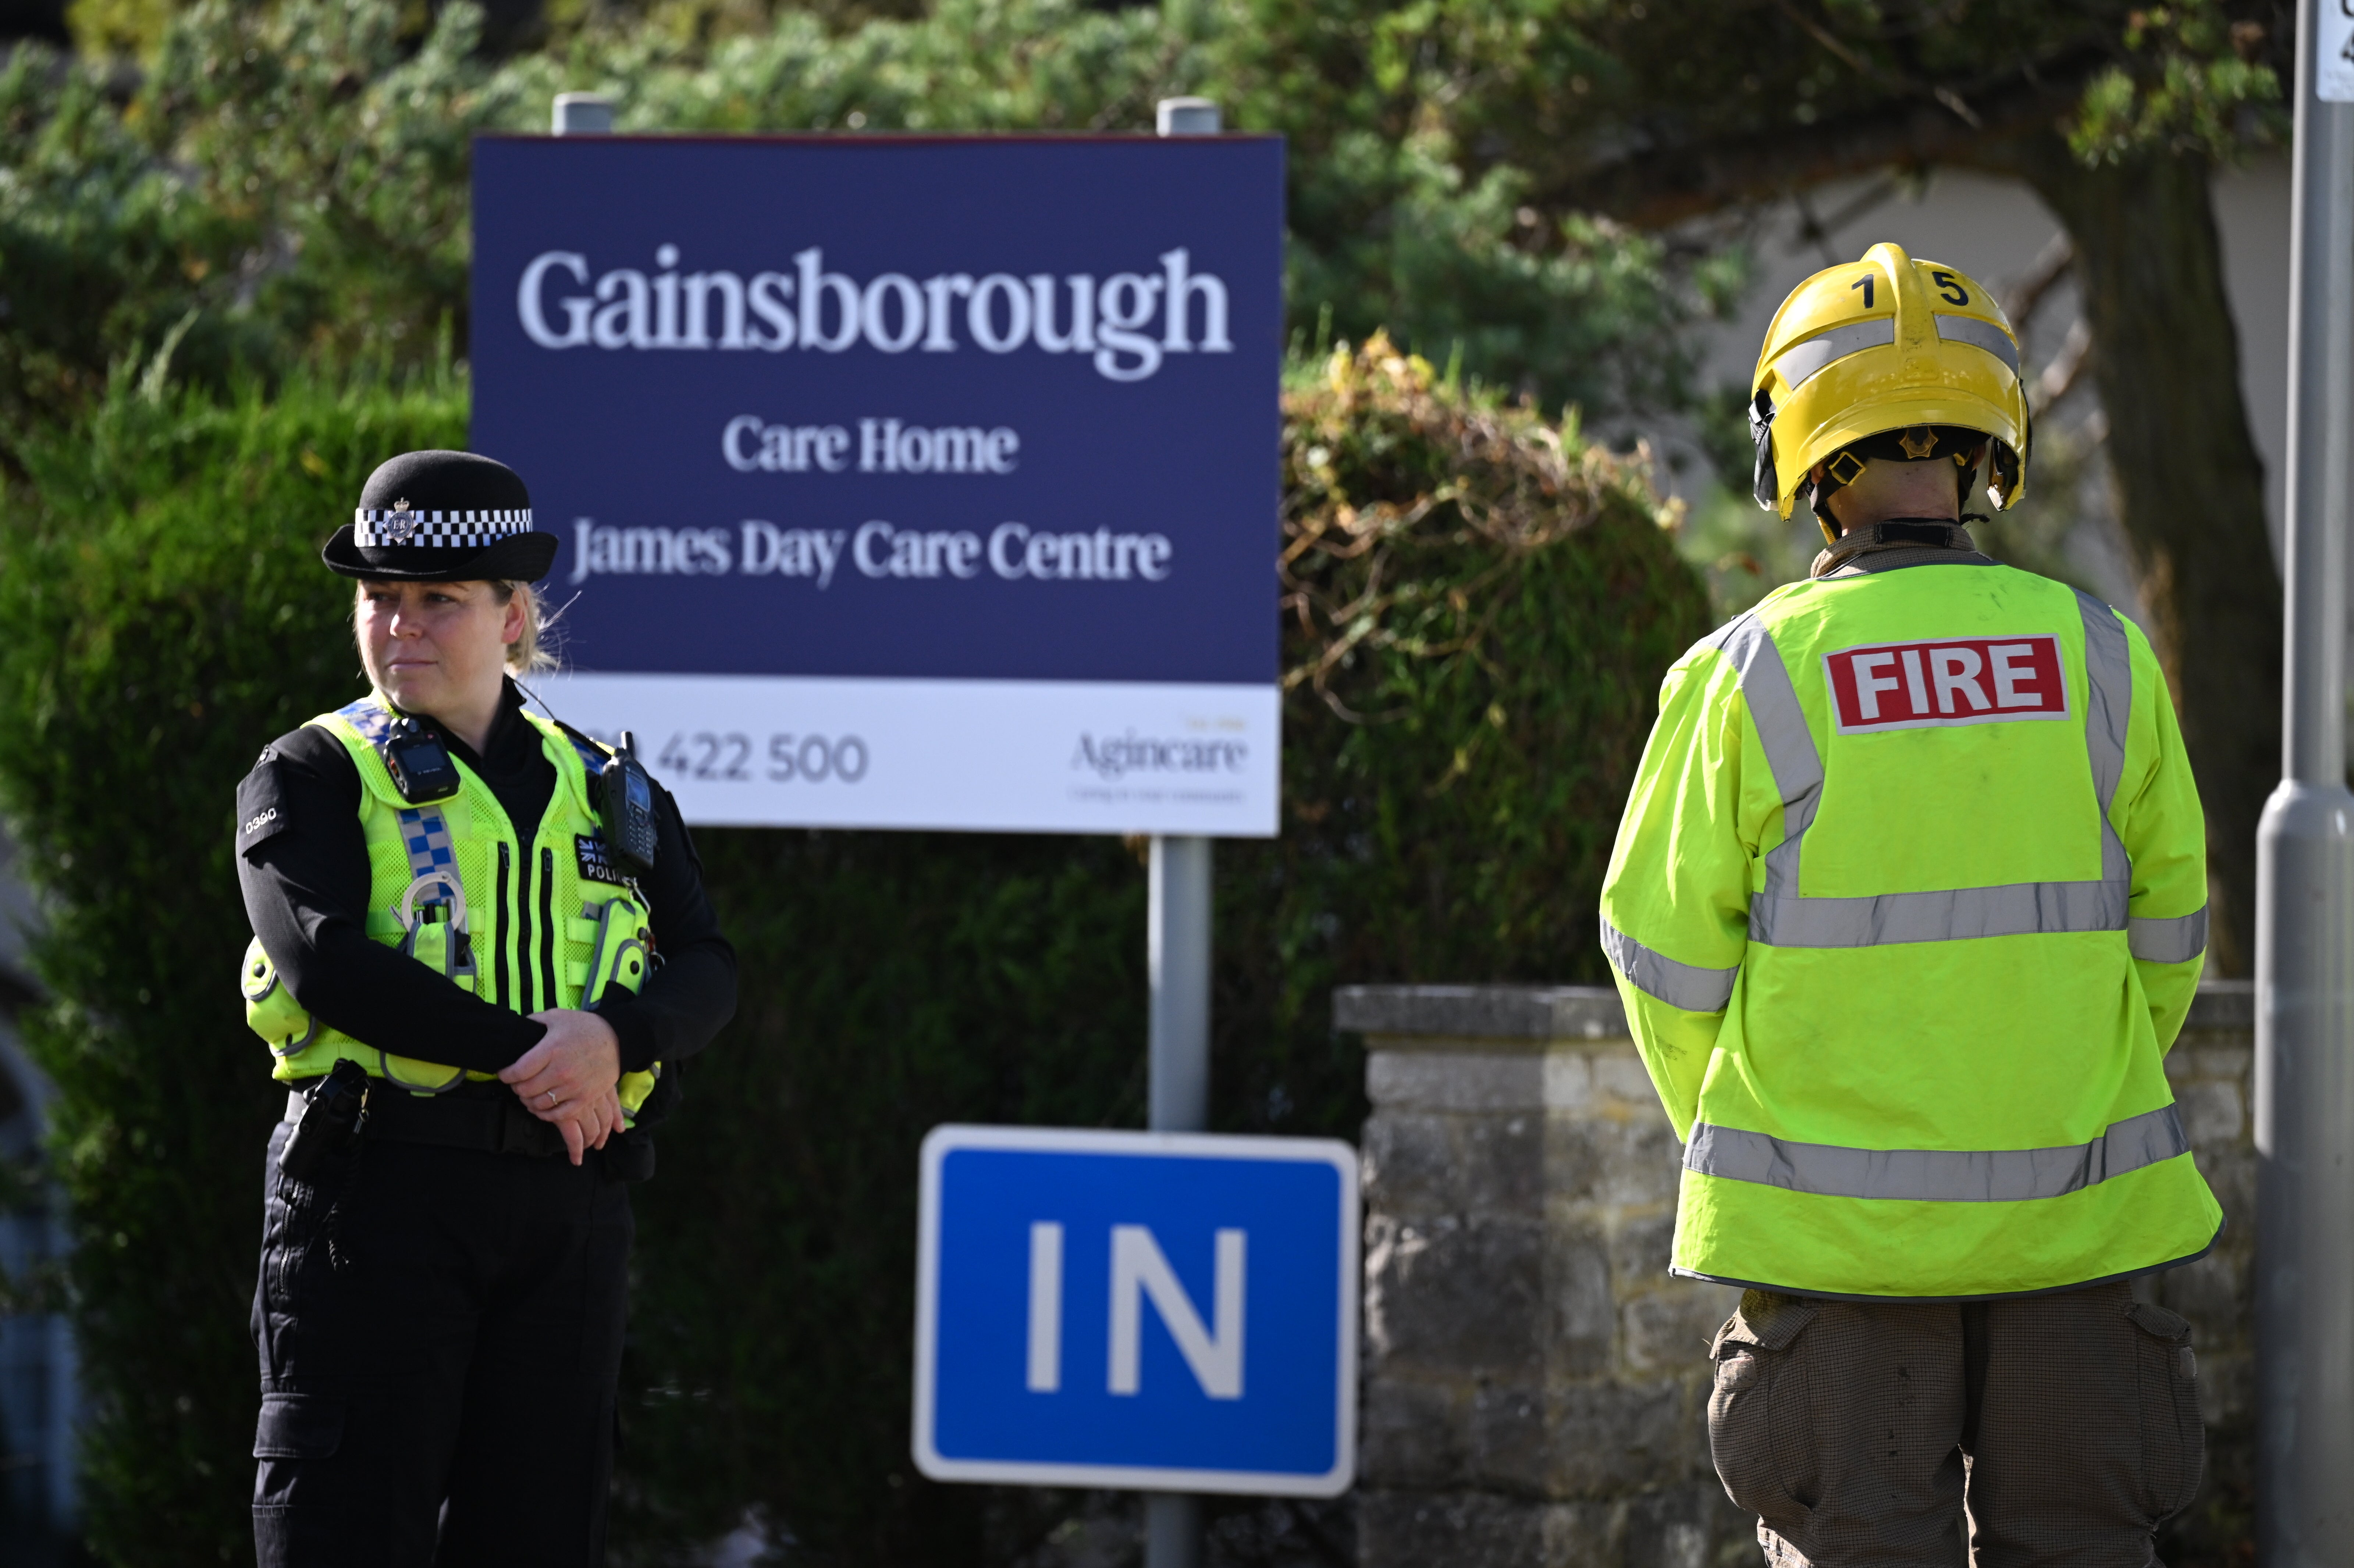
point(1907, 906)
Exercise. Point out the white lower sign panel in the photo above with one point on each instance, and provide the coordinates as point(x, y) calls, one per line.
point(1080, 756)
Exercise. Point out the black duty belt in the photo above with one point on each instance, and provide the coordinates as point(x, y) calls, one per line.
point(489, 1124)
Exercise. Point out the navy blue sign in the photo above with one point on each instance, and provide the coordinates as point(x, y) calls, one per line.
point(1137, 1310)
point(997, 408)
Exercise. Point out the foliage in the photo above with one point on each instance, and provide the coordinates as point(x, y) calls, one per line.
point(295, 172)
point(290, 180)
point(1480, 606)
point(166, 616)
point(281, 186)
point(1458, 577)
point(2195, 80)
point(1677, 107)
point(890, 982)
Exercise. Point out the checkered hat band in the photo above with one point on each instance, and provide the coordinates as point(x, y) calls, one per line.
point(450, 530)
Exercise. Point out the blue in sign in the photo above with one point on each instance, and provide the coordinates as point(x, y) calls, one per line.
point(1138, 1309)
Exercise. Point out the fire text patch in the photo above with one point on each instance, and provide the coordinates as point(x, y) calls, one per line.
point(1962, 679)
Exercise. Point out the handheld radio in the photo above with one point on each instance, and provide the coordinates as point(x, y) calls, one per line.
point(625, 807)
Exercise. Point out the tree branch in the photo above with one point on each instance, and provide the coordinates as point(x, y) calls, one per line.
point(1661, 185)
point(2025, 297)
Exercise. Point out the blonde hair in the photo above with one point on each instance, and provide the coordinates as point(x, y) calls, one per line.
point(534, 650)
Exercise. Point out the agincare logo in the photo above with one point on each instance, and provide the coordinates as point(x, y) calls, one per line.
point(1126, 324)
point(1118, 756)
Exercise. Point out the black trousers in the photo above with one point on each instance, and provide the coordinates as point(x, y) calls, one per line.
point(2049, 1431)
point(440, 1334)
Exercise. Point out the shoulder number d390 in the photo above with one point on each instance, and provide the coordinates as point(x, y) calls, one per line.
point(714, 757)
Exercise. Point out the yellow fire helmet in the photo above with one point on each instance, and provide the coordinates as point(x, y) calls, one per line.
point(1887, 346)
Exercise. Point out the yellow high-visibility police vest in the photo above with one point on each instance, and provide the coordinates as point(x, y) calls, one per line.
point(1908, 904)
point(528, 925)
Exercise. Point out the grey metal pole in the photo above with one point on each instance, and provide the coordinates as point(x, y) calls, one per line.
point(1177, 956)
point(1177, 953)
point(581, 115)
point(2304, 891)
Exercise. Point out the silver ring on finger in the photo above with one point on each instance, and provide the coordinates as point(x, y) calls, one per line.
point(551, 1099)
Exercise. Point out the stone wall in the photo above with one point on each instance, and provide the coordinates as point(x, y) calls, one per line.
point(1536, 1384)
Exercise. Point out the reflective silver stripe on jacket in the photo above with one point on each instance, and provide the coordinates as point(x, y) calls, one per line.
point(1790, 753)
point(2174, 941)
point(1799, 363)
point(1936, 1175)
point(2108, 711)
point(1687, 986)
point(1952, 915)
point(1779, 917)
point(1979, 335)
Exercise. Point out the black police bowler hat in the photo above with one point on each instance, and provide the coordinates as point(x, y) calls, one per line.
point(440, 516)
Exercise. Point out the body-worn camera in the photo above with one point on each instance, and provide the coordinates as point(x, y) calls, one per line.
point(420, 766)
point(625, 807)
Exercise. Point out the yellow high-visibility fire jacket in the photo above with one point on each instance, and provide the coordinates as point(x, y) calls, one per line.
point(1908, 904)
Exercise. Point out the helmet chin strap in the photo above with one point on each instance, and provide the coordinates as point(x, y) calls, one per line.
point(1846, 466)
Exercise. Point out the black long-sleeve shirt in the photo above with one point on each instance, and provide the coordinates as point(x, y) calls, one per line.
point(303, 867)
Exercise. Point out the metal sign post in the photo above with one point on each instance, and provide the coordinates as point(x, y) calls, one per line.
point(1177, 954)
point(581, 115)
point(2304, 923)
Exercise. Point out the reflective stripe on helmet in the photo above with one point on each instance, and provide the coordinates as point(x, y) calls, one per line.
point(1802, 360)
point(1938, 1175)
point(1779, 917)
point(1979, 335)
point(1687, 986)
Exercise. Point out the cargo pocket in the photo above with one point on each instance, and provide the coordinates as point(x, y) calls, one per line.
point(299, 1427)
point(2173, 1439)
point(293, 1220)
point(1758, 1430)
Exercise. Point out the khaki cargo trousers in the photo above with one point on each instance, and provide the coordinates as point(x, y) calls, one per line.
point(2042, 1430)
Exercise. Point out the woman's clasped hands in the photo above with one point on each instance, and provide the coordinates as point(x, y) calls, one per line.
point(569, 1080)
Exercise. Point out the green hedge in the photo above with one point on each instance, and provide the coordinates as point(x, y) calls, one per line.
point(166, 616)
point(1476, 612)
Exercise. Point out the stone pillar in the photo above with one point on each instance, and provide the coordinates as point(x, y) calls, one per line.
point(1536, 1384)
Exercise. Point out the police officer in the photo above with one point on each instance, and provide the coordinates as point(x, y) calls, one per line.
point(482, 949)
point(1907, 908)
